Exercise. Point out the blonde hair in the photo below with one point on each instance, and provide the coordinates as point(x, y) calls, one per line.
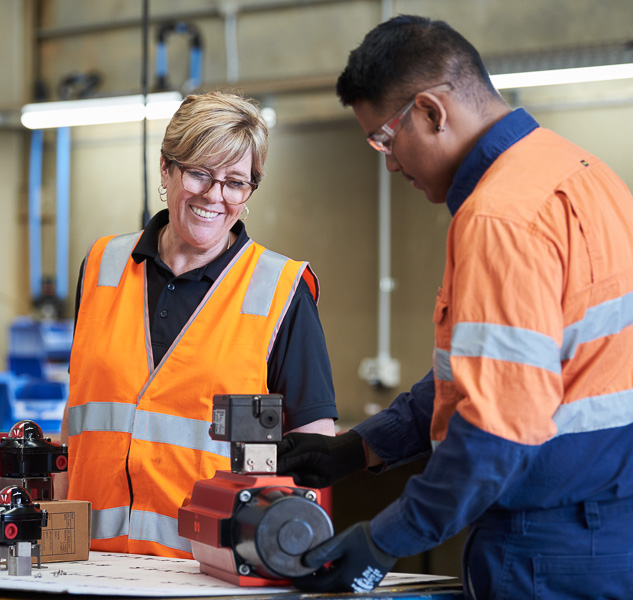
point(219, 128)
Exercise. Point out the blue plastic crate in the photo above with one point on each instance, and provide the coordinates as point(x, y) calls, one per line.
point(41, 401)
point(40, 349)
point(23, 397)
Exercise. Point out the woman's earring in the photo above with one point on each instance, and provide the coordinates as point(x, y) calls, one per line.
point(162, 192)
point(440, 129)
point(245, 212)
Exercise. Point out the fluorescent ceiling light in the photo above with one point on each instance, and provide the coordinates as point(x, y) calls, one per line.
point(121, 109)
point(97, 111)
point(559, 76)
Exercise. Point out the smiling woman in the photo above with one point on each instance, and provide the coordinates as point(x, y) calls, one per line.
point(201, 212)
point(212, 138)
point(170, 316)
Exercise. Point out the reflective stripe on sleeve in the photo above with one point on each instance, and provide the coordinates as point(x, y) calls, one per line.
point(263, 284)
point(101, 416)
point(604, 319)
point(177, 431)
point(110, 522)
point(442, 365)
point(595, 413)
point(115, 257)
point(501, 342)
point(152, 527)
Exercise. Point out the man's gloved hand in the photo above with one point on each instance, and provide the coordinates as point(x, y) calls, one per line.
point(358, 564)
point(315, 460)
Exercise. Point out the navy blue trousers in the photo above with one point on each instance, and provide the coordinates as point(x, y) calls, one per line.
point(575, 552)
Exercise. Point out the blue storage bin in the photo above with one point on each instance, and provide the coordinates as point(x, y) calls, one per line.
point(40, 349)
point(9, 383)
point(41, 401)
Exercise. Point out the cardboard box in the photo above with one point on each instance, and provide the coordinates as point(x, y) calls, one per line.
point(66, 537)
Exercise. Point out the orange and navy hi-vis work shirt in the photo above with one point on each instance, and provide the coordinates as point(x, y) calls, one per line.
point(534, 342)
point(138, 435)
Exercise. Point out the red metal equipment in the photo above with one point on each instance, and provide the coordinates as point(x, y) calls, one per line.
point(249, 526)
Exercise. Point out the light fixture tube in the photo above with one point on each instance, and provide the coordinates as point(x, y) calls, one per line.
point(97, 111)
point(560, 76)
point(162, 105)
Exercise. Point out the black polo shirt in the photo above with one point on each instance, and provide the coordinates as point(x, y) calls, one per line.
point(298, 366)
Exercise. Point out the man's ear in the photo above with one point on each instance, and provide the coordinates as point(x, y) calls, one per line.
point(432, 109)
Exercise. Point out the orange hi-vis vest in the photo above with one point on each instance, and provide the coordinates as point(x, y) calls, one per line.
point(138, 435)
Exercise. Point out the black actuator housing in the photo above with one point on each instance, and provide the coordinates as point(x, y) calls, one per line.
point(247, 418)
point(25, 452)
point(21, 519)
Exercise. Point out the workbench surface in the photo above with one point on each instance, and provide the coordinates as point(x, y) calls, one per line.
point(125, 576)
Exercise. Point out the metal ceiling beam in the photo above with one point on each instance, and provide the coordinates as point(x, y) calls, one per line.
point(217, 12)
point(547, 59)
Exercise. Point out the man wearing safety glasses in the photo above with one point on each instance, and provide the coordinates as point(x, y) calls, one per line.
point(527, 414)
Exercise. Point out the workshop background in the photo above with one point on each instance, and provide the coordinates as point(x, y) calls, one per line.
point(321, 199)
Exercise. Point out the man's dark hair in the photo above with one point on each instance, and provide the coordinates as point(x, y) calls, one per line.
point(407, 54)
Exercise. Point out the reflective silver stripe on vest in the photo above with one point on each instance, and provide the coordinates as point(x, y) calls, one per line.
point(152, 527)
point(177, 431)
point(101, 416)
point(149, 353)
point(110, 522)
point(83, 272)
point(263, 284)
point(282, 314)
point(143, 425)
point(115, 256)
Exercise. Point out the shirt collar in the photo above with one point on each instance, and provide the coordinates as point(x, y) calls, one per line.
point(147, 246)
point(503, 134)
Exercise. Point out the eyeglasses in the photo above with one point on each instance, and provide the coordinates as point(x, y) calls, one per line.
point(382, 140)
point(199, 181)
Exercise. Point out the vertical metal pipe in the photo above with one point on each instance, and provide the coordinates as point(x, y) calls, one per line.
point(145, 88)
point(387, 9)
point(63, 212)
point(384, 259)
point(230, 36)
point(195, 67)
point(385, 280)
point(35, 213)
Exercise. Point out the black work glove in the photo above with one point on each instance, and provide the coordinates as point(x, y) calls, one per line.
point(315, 460)
point(359, 565)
